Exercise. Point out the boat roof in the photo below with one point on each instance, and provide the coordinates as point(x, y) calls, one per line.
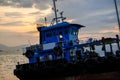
point(61, 25)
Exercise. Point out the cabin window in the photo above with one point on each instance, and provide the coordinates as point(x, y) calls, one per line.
point(50, 57)
point(41, 58)
point(54, 33)
point(66, 32)
point(74, 32)
point(60, 33)
point(48, 35)
point(47, 58)
point(43, 36)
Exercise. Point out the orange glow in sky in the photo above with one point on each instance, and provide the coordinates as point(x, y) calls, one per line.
point(18, 18)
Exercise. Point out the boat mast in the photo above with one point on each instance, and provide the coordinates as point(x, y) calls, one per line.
point(55, 10)
point(117, 14)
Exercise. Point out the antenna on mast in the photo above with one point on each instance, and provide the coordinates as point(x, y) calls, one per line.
point(45, 21)
point(55, 10)
point(57, 19)
point(62, 18)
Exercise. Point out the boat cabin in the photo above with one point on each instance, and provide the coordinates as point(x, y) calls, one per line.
point(60, 41)
point(63, 32)
point(52, 41)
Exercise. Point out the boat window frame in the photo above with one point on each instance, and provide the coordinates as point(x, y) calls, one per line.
point(74, 31)
point(48, 34)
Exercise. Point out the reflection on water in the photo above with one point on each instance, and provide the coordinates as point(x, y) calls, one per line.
point(7, 65)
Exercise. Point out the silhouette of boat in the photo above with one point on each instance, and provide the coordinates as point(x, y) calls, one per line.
point(59, 53)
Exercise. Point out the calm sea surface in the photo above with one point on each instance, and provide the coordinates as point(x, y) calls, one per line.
point(7, 65)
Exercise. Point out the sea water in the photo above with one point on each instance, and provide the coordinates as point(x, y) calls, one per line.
point(7, 65)
point(8, 62)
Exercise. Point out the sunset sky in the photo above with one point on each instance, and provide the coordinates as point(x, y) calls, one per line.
point(18, 18)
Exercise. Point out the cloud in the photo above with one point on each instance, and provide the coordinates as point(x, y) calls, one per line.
point(85, 34)
point(70, 20)
point(98, 35)
point(115, 30)
point(40, 4)
point(5, 2)
point(95, 14)
point(11, 24)
point(32, 32)
point(13, 14)
point(20, 16)
point(15, 17)
point(109, 31)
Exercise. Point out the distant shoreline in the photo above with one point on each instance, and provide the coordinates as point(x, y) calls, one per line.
point(10, 53)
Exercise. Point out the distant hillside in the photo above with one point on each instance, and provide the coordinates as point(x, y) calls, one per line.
point(12, 50)
point(3, 47)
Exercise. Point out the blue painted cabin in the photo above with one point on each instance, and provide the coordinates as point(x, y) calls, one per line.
point(55, 42)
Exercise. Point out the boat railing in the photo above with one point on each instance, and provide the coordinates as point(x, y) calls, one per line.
point(34, 47)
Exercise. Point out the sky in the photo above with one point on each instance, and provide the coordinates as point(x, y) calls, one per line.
point(18, 18)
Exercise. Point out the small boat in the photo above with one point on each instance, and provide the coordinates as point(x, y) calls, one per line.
point(60, 53)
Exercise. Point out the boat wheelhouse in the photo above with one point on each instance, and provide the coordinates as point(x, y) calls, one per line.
point(54, 40)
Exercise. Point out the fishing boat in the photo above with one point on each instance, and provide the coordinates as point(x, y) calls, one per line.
point(60, 53)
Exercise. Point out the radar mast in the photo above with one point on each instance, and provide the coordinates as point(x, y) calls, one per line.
point(55, 10)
